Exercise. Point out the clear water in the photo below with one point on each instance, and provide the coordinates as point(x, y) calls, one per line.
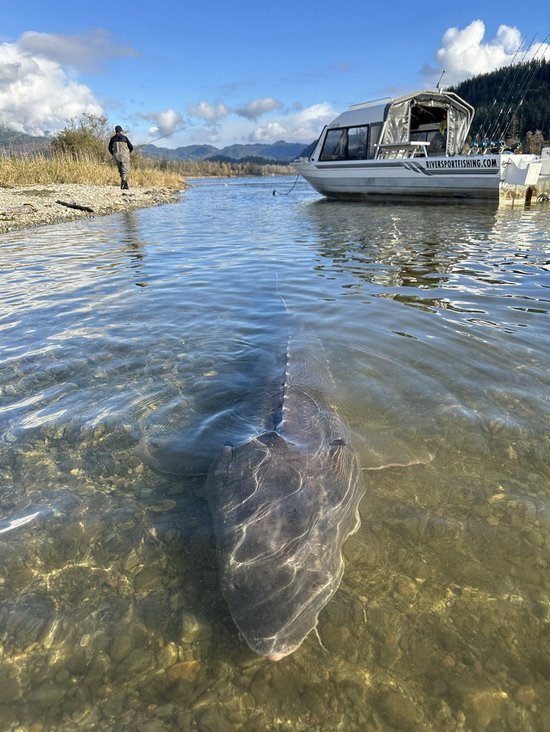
point(435, 322)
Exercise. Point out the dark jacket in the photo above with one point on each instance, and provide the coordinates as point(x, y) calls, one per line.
point(120, 147)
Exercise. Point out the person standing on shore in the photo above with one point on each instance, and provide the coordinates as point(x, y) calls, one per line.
point(120, 148)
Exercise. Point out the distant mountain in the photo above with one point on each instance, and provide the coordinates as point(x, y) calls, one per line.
point(280, 152)
point(19, 142)
point(189, 152)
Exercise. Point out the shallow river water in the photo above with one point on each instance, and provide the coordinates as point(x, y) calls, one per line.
point(142, 326)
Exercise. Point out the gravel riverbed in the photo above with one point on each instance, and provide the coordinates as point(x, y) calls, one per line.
point(37, 205)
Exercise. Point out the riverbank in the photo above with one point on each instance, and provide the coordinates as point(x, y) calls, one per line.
point(24, 207)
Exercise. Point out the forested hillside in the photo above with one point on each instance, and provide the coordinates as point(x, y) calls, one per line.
point(513, 102)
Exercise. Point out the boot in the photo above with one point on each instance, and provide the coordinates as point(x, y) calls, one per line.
point(126, 186)
point(121, 185)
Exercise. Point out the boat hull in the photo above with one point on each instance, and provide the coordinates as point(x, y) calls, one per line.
point(458, 178)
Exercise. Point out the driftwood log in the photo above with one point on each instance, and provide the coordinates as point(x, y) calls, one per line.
point(76, 205)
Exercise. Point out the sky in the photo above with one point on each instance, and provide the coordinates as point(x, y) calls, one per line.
point(219, 73)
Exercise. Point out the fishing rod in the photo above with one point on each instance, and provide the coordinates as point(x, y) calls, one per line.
point(532, 68)
point(523, 94)
point(516, 90)
point(505, 77)
point(167, 134)
point(509, 96)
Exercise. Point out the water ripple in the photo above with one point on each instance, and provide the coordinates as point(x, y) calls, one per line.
point(135, 340)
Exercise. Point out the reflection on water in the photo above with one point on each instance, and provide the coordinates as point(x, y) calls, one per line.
point(147, 328)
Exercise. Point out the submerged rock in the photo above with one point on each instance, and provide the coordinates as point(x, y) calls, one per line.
point(26, 621)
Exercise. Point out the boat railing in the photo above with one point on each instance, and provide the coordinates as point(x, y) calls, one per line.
point(415, 148)
point(372, 103)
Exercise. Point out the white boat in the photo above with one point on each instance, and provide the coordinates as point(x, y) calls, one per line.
point(413, 146)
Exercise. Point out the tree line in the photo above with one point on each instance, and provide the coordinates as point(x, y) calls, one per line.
point(220, 168)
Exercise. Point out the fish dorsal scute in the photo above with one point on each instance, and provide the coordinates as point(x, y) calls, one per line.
point(273, 440)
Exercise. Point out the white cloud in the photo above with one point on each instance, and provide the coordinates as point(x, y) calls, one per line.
point(209, 112)
point(257, 107)
point(464, 53)
point(86, 52)
point(230, 124)
point(37, 93)
point(166, 122)
point(269, 132)
point(207, 135)
point(303, 126)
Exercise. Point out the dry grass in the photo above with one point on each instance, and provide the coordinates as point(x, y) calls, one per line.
point(37, 168)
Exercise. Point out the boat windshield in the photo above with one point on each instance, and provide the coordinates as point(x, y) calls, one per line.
point(346, 143)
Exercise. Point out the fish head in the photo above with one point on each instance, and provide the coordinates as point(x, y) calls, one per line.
point(276, 511)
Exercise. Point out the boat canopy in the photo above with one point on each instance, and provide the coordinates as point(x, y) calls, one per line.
point(406, 118)
point(402, 114)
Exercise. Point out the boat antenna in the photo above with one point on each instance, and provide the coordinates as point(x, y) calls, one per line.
point(438, 85)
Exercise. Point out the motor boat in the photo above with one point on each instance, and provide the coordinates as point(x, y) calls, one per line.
point(415, 146)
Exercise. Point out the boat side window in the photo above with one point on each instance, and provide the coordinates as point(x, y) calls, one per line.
point(358, 138)
point(335, 145)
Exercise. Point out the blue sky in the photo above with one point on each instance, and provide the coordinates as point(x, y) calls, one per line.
point(241, 71)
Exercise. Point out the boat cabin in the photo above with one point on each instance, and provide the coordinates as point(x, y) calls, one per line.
point(423, 123)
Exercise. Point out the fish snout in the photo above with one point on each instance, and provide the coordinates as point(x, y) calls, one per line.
point(277, 656)
point(282, 651)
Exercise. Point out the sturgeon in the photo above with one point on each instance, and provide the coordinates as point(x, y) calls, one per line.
point(283, 502)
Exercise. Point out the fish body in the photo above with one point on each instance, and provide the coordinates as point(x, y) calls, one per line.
point(283, 502)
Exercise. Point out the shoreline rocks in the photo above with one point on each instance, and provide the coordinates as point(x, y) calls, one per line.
point(25, 207)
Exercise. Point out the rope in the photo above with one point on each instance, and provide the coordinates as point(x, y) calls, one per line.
point(277, 193)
